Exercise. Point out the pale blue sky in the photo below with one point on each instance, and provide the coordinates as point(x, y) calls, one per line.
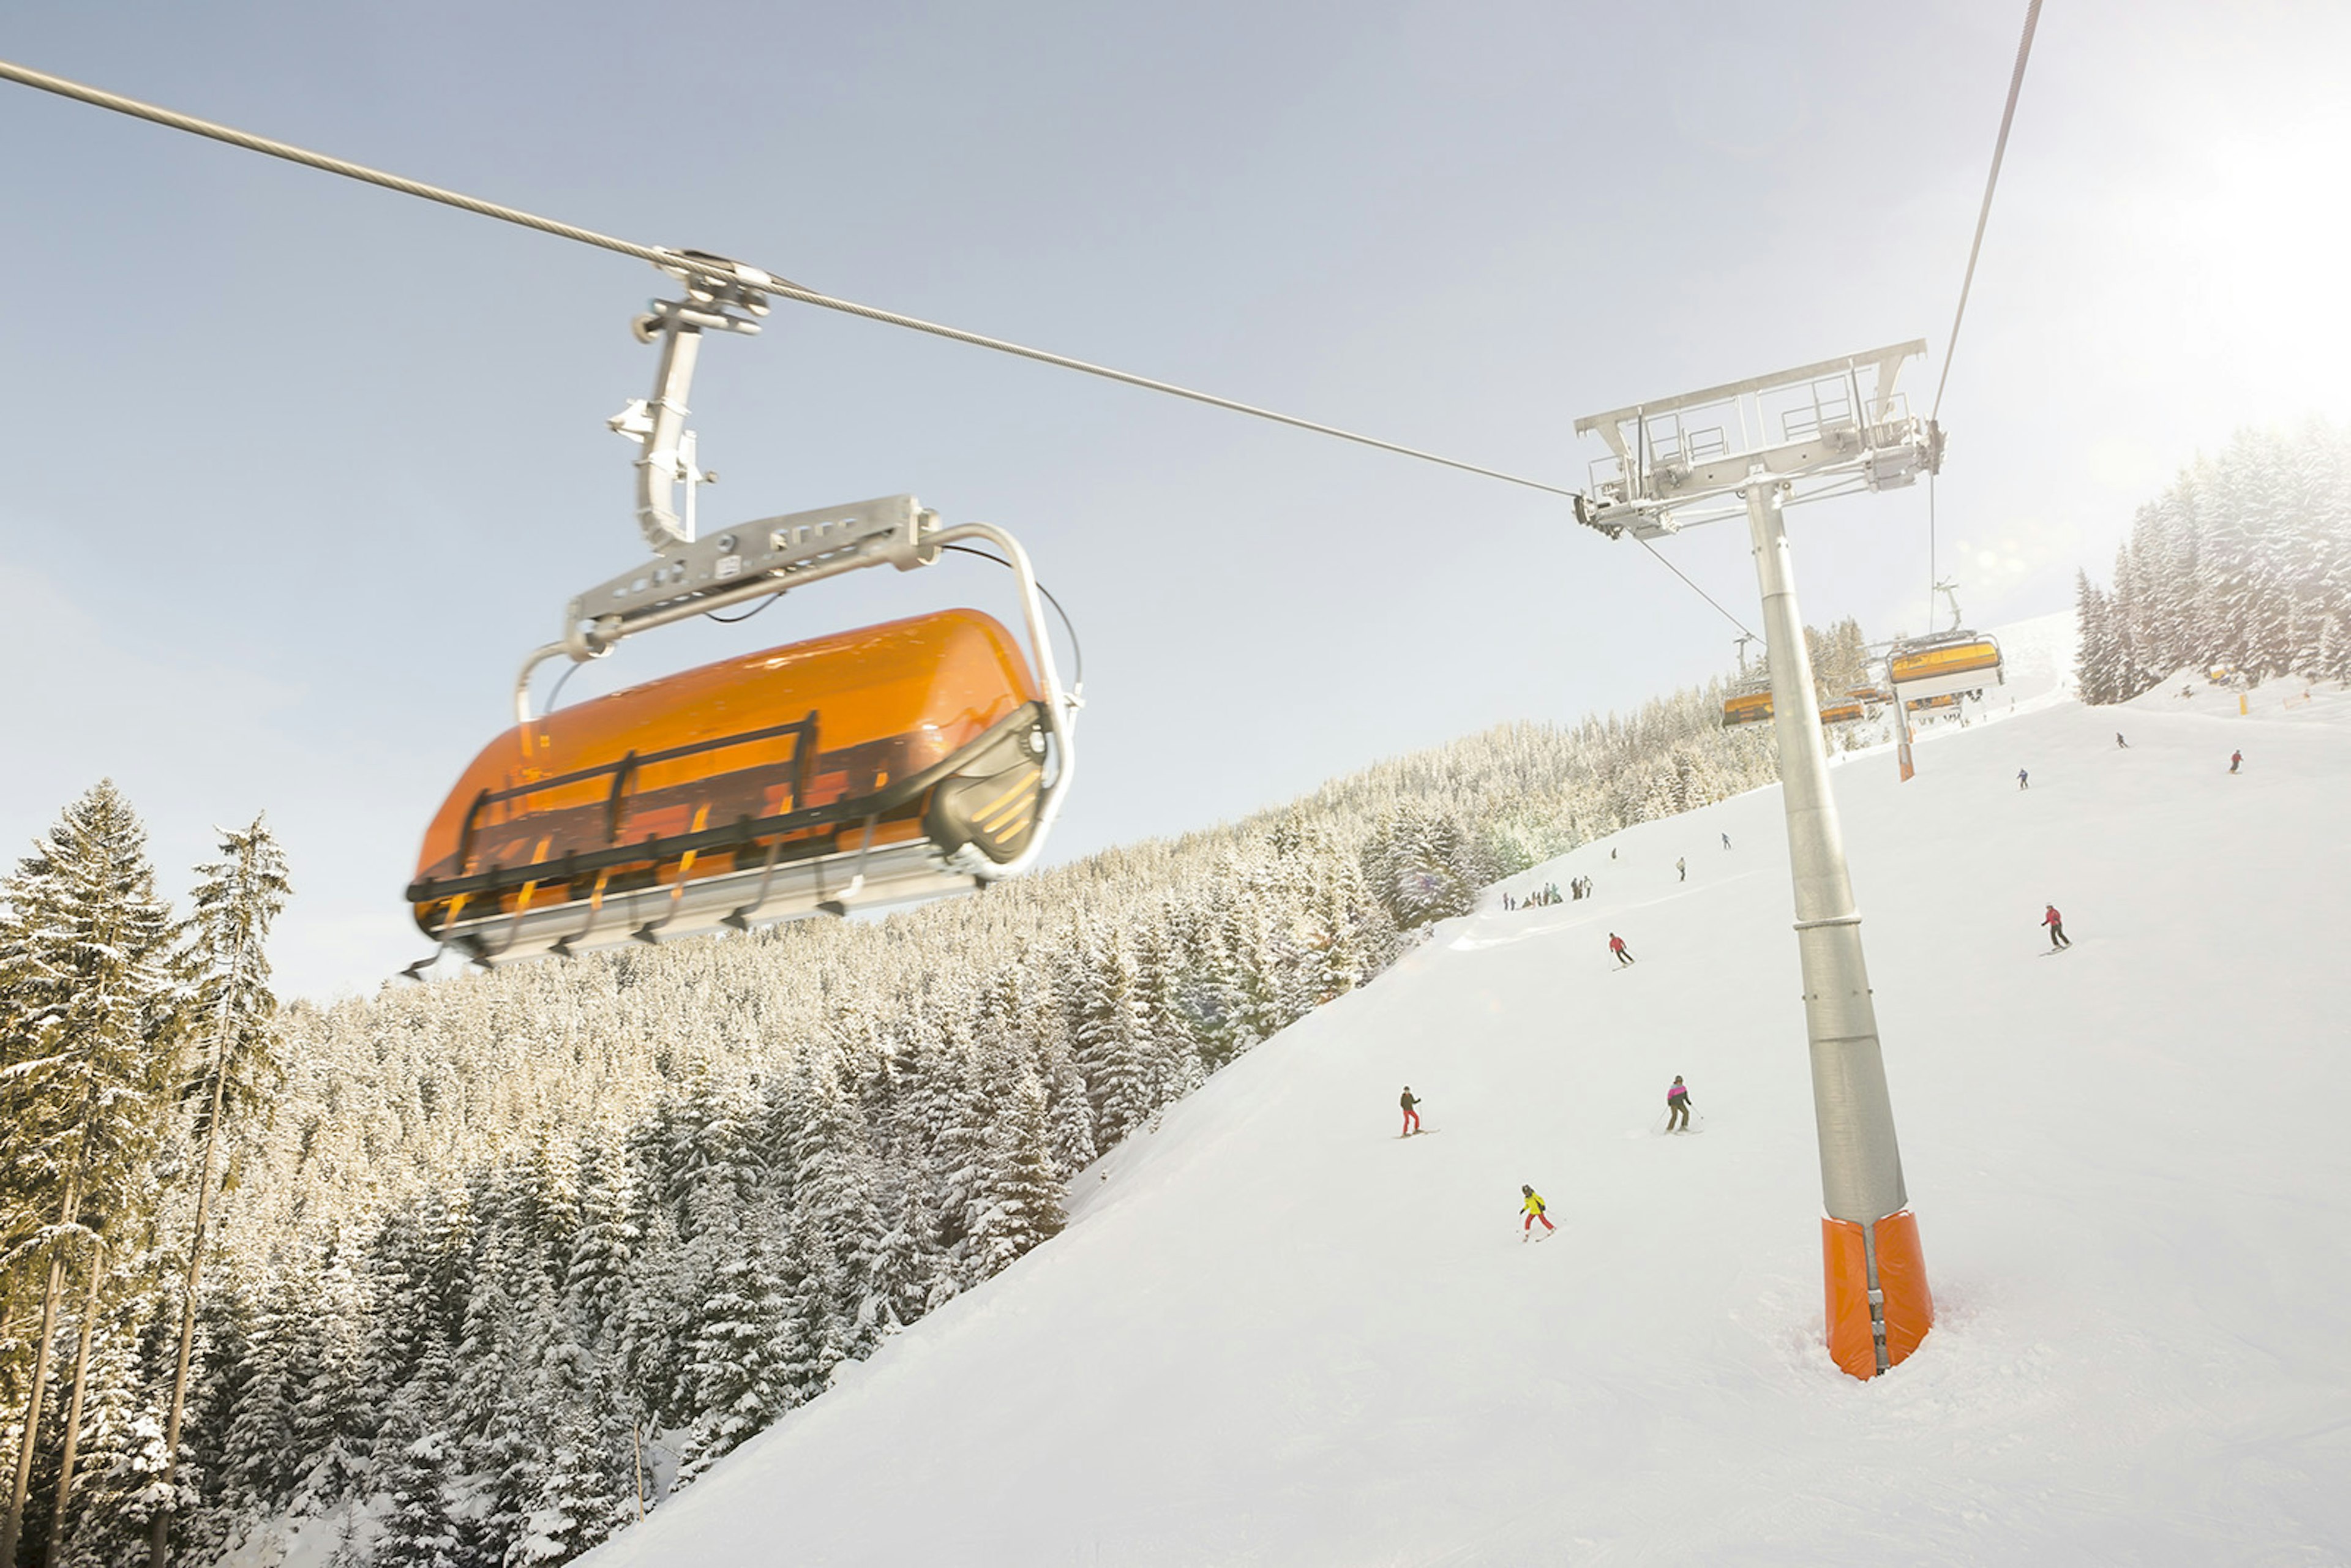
point(301, 469)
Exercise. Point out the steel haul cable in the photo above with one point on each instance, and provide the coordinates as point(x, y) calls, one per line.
point(766, 282)
point(1991, 182)
point(735, 273)
point(1975, 248)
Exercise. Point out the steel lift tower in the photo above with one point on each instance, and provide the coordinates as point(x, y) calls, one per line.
point(1831, 428)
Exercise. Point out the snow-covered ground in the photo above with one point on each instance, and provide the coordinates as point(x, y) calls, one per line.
point(1276, 1334)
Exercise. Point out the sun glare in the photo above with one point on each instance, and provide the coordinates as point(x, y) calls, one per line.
point(2239, 263)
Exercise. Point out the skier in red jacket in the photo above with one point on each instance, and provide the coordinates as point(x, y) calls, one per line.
point(1617, 945)
point(2056, 924)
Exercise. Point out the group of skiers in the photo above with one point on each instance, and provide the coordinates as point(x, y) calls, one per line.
point(2236, 760)
point(2054, 921)
point(1678, 1096)
point(2050, 918)
point(1578, 887)
point(1677, 1110)
point(1547, 893)
point(1581, 887)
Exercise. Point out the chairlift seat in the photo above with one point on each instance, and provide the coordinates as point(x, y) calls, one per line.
point(871, 765)
point(1953, 662)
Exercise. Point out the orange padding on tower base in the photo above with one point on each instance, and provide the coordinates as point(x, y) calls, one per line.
point(1910, 1306)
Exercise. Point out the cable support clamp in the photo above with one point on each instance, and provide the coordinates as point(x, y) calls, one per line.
point(1852, 919)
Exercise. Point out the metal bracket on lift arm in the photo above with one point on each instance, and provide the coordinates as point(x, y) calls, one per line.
point(721, 296)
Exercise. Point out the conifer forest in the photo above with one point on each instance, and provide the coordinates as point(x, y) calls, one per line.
point(2242, 566)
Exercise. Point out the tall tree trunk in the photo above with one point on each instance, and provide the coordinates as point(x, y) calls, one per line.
point(7, 1320)
point(13, 1527)
point(73, 1406)
point(158, 1530)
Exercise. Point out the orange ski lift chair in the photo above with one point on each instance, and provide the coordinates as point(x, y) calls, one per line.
point(1754, 707)
point(1750, 707)
point(894, 762)
point(1956, 663)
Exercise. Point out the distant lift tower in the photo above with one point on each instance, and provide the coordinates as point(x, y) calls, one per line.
point(1832, 428)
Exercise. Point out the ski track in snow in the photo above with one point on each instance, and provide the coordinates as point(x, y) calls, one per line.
point(1275, 1333)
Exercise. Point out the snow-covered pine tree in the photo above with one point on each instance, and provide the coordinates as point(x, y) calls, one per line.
point(585, 1491)
point(1068, 1107)
point(1414, 863)
point(91, 1019)
point(417, 1456)
point(233, 1012)
point(1021, 1196)
point(1169, 1055)
point(199, 1495)
point(329, 1429)
point(606, 1237)
point(740, 1337)
point(2134, 670)
point(1212, 985)
point(2096, 675)
point(650, 1333)
point(121, 1446)
point(1111, 1048)
point(256, 1469)
point(833, 1202)
point(906, 1267)
point(1250, 1002)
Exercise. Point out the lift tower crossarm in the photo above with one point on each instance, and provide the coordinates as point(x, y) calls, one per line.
point(1887, 361)
point(1834, 421)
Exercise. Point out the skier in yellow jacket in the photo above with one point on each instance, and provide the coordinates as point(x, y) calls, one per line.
point(1534, 1212)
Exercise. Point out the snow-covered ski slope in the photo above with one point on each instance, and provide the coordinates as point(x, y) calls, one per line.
point(1277, 1333)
